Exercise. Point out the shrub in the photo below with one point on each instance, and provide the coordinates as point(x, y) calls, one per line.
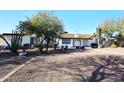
point(94, 45)
point(27, 46)
point(77, 47)
point(82, 47)
point(121, 43)
point(113, 46)
point(40, 47)
point(62, 47)
point(66, 47)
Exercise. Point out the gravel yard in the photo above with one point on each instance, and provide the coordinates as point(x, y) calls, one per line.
point(92, 65)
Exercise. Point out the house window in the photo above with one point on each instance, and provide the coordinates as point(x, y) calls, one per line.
point(66, 41)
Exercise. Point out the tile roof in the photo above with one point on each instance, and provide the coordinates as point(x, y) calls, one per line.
point(77, 36)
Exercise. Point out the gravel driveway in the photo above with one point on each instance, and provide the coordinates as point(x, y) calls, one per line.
point(9, 63)
point(92, 65)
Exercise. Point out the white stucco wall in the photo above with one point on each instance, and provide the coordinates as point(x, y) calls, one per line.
point(88, 41)
point(93, 40)
point(83, 42)
point(3, 43)
point(26, 39)
point(69, 45)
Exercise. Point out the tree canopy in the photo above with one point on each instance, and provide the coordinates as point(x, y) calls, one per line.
point(46, 26)
point(112, 28)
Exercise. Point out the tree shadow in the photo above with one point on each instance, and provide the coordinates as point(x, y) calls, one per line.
point(113, 68)
point(94, 68)
point(7, 54)
point(54, 52)
point(16, 60)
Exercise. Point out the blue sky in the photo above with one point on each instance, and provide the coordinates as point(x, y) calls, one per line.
point(80, 21)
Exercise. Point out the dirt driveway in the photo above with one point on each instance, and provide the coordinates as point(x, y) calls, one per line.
point(8, 64)
point(93, 65)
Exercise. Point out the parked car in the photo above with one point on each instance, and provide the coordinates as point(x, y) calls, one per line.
point(94, 45)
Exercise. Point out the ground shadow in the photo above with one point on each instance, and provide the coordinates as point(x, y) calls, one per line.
point(16, 60)
point(112, 69)
point(94, 68)
point(58, 51)
point(37, 53)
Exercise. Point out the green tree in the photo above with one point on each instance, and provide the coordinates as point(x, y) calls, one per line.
point(121, 26)
point(48, 27)
point(108, 27)
point(120, 36)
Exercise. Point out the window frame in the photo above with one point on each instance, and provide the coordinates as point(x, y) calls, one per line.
point(66, 41)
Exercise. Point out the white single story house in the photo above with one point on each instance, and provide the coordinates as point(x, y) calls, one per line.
point(77, 40)
point(66, 39)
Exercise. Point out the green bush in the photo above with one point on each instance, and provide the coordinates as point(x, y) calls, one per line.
point(113, 46)
point(40, 47)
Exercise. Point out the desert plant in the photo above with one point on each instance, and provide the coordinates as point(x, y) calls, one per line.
point(113, 46)
point(40, 47)
point(16, 41)
point(14, 45)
